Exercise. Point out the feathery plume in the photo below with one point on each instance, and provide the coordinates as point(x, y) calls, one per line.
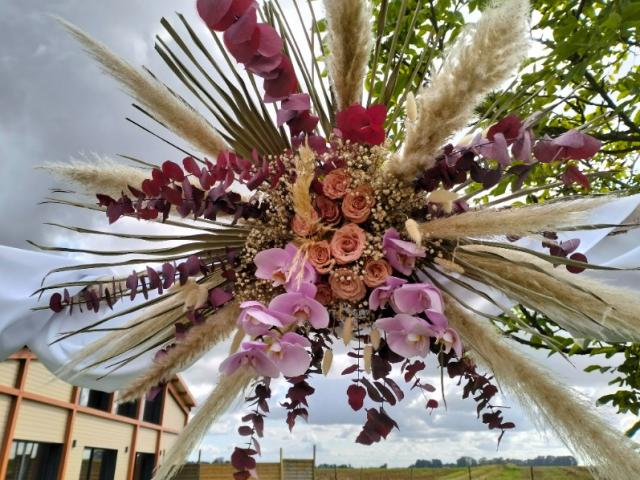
point(348, 23)
point(99, 174)
point(227, 390)
point(584, 306)
point(199, 340)
point(478, 63)
point(168, 108)
point(519, 221)
point(305, 170)
point(610, 455)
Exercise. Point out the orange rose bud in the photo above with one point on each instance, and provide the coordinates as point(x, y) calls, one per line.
point(347, 285)
point(356, 205)
point(320, 256)
point(348, 243)
point(336, 183)
point(376, 272)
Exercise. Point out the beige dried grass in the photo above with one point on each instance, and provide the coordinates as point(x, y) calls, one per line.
point(349, 28)
point(479, 62)
point(608, 453)
point(98, 175)
point(582, 305)
point(519, 221)
point(228, 389)
point(199, 340)
point(167, 107)
point(300, 190)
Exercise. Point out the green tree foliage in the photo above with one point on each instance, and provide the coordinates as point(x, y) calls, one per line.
point(583, 72)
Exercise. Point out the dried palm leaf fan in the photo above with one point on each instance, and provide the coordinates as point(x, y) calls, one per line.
point(342, 236)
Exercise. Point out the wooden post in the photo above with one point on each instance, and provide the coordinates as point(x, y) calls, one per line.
point(281, 464)
point(411, 473)
point(469, 470)
point(199, 456)
point(531, 472)
point(335, 472)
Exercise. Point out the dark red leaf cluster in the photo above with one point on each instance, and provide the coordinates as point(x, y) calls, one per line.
point(297, 403)
point(259, 48)
point(509, 139)
point(243, 459)
point(565, 249)
point(480, 388)
point(377, 427)
point(170, 188)
point(362, 125)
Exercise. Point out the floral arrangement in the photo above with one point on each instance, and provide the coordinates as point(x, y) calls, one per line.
point(306, 239)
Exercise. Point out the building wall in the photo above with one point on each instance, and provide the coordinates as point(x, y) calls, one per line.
point(174, 416)
point(41, 423)
point(5, 406)
point(89, 431)
point(146, 442)
point(42, 382)
point(9, 372)
point(46, 410)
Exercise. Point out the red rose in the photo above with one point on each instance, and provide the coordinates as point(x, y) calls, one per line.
point(363, 125)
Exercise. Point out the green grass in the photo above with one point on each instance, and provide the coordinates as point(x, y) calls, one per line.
point(485, 472)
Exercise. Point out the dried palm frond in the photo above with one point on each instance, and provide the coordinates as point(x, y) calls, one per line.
point(170, 109)
point(609, 454)
point(199, 340)
point(585, 307)
point(228, 389)
point(517, 221)
point(478, 63)
point(99, 174)
point(350, 46)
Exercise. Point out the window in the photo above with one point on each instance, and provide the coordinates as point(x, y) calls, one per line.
point(33, 461)
point(129, 409)
point(95, 399)
point(153, 409)
point(144, 466)
point(98, 464)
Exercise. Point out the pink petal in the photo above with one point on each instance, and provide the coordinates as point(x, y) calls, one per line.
point(295, 339)
point(270, 41)
point(295, 360)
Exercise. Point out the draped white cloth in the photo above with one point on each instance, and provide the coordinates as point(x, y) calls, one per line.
point(21, 272)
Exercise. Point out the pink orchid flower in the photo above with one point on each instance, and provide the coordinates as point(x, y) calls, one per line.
point(380, 296)
point(300, 308)
point(406, 335)
point(287, 352)
point(417, 297)
point(400, 253)
point(443, 333)
point(255, 357)
point(256, 319)
point(284, 267)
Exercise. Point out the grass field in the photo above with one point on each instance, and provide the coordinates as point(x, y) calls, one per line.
point(488, 472)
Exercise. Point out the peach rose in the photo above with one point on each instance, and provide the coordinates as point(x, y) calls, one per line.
point(323, 294)
point(320, 256)
point(336, 183)
point(303, 227)
point(329, 210)
point(347, 243)
point(376, 272)
point(357, 204)
point(347, 285)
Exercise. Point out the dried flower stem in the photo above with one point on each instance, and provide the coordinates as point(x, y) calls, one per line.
point(479, 62)
point(227, 390)
point(100, 175)
point(170, 109)
point(199, 340)
point(585, 307)
point(610, 455)
point(348, 23)
point(520, 221)
point(305, 170)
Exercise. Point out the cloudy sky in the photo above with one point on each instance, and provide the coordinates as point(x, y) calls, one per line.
point(55, 104)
